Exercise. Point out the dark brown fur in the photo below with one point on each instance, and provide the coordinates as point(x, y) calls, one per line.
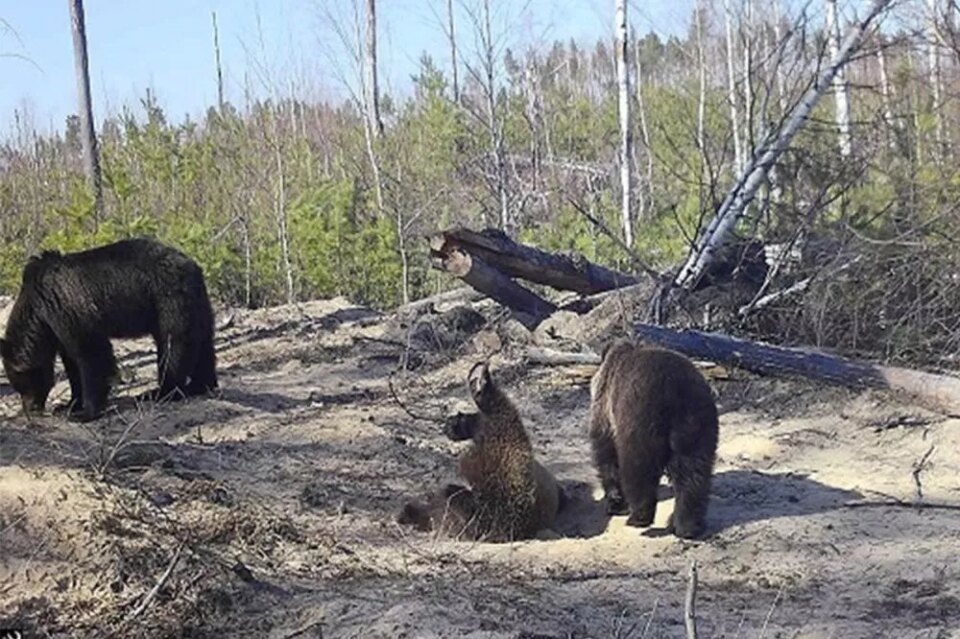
point(511, 496)
point(653, 412)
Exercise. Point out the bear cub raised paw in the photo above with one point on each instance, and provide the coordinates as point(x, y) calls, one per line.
point(511, 495)
point(653, 412)
point(72, 304)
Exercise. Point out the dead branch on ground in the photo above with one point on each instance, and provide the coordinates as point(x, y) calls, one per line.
point(689, 607)
point(145, 603)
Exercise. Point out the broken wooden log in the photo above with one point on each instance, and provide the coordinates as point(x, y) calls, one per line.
point(528, 308)
point(940, 391)
point(564, 272)
point(589, 361)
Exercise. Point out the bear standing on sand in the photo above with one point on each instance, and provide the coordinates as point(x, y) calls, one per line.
point(72, 305)
point(652, 411)
point(511, 496)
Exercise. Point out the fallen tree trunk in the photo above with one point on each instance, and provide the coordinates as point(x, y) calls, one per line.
point(462, 295)
point(528, 308)
point(940, 391)
point(564, 272)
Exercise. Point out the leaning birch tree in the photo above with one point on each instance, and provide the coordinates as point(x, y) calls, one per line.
point(626, 133)
point(769, 151)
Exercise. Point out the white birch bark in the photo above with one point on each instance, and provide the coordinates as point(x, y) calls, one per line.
point(88, 133)
point(778, 39)
point(702, 97)
point(648, 201)
point(626, 133)
point(373, 92)
point(841, 96)
point(886, 93)
point(493, 120)
point(732, 89)
point(936, 80)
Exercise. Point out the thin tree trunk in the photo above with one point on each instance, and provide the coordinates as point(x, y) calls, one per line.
point(493, 121)
point(626, 132)
point(702, 97)
point(839, 82)
point(216, 53)
point(453, 54)
point(535, 119)
point(778, 38)
point(936, 80)
point(886, 94)
point(368, 92)
point(280, 210)
point(88, 134)
point(746, 29)
point(247, 261)
point(772, 84)
point(732, 89)
point(753, 175)
point(644, 131)
point(373, 93)
point(404, 259)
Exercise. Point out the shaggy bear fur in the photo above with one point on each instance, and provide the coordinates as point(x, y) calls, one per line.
point(72, 304)
point(652, 411)
point(511, 495)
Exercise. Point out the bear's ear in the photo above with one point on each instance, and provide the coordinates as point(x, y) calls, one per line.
point(5, 349)
point(479, 381)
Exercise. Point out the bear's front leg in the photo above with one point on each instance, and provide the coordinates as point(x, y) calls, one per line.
point(97, 366)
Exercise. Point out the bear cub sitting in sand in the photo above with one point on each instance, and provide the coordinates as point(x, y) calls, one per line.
point(511, 496)
point(73, 304)
point(652, 411)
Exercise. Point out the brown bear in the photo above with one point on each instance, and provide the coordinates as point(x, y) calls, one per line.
point(511, 495)
point(652, 411)
point(73, 304)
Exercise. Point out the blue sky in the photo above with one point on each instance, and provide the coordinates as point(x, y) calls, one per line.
point(166, 45)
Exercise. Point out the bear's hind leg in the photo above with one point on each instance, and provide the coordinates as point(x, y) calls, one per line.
point(176, 358)
point(608, 469)
point(203, 379)
point(691, 484)
point(641, 468)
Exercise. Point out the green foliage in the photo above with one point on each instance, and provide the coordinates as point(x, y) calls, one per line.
point(336, 254)
point(226, 188)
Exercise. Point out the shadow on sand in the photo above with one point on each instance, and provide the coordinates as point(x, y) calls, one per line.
point(738, 497)
point(743, 496)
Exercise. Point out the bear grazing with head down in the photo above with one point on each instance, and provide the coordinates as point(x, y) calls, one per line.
point(652, 411)
point(72, 304)
point(511, 496)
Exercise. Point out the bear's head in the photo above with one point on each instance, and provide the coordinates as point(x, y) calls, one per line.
point(32, 382)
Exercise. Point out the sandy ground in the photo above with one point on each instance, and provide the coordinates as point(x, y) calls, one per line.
point(268, 511)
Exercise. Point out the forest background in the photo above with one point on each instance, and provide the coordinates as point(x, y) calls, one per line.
point(284, 196)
